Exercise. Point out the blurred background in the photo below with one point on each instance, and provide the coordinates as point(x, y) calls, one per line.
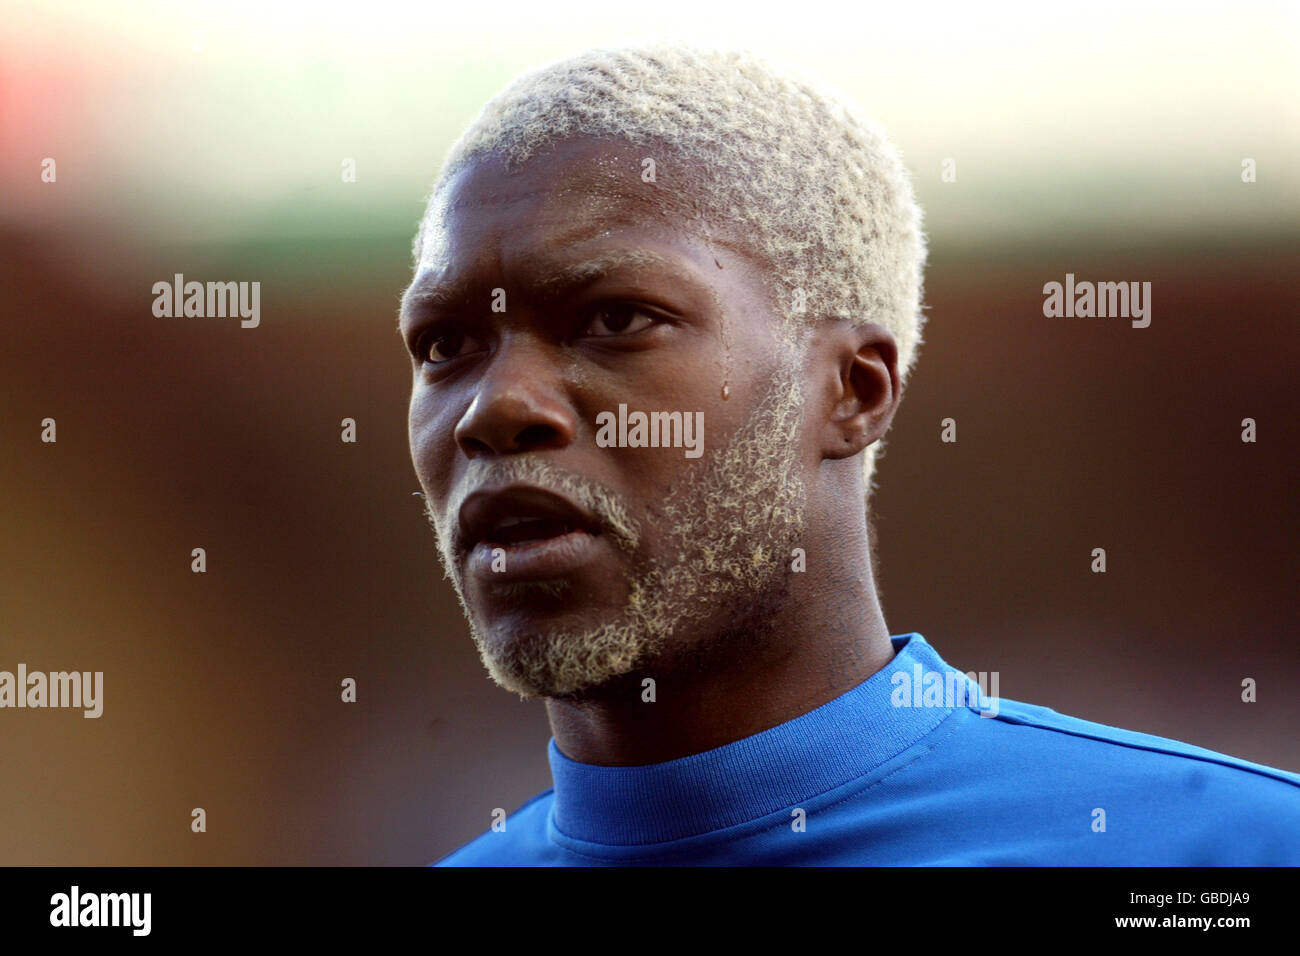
point(1102, 139)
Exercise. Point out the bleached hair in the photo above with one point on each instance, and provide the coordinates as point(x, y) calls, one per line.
point(809, 186)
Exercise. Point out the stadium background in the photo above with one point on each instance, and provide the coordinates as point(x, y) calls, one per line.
point(1104, 140)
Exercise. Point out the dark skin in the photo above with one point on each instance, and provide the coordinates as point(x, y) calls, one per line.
point(532, 379)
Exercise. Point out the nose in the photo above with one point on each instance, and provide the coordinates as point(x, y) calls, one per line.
point(520, 406)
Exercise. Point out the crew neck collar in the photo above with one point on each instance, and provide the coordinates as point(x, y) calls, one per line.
point(772, 770)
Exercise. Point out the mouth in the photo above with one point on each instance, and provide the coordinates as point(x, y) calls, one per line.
point(521, 531)
point(525, 533)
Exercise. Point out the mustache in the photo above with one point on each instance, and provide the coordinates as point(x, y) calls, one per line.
point(601, 501)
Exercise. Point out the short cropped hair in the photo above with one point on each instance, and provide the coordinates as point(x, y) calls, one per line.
point(809, 185)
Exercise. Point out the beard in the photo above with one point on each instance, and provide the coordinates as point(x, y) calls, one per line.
point(732, 525)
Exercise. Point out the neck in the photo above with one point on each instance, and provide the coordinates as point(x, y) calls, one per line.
point(827, 635)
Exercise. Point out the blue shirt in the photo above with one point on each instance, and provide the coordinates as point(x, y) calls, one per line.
point(904, 770)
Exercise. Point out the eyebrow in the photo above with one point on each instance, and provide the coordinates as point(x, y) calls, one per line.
point(429, 294)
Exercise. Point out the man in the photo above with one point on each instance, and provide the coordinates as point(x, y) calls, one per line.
point(664, 304)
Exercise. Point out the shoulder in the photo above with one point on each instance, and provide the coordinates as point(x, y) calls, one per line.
point(1121, 748)
point(1167, 800)
point(521, 839)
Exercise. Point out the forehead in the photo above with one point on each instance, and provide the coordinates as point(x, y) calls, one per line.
point(577, 213)
point(567, 193)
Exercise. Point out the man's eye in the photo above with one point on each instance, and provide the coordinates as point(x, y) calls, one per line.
point(619, 318)
point(445, 345)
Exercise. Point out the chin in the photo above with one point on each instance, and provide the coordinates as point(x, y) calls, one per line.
point(561, 662)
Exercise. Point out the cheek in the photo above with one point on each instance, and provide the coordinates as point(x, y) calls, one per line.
point(430, 430)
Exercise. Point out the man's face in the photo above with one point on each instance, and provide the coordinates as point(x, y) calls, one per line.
point(546, 296)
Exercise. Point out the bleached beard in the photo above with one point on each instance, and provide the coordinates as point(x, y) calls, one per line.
point(734, 522)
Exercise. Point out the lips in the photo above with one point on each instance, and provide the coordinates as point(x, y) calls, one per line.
point(523, 531)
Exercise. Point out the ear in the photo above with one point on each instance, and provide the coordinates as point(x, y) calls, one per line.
point(859, 366)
